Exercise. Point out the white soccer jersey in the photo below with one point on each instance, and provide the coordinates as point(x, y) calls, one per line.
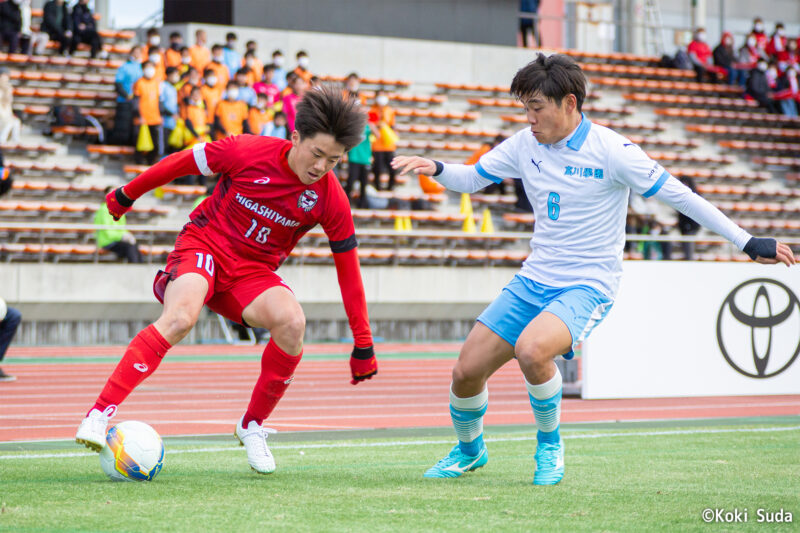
point(579, 190)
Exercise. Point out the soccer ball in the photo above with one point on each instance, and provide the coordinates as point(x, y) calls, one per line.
point(134, 452)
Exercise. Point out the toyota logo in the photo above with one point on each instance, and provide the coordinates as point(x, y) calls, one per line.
point(758, 328)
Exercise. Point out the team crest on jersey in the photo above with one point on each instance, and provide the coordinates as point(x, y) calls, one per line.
point(307, 200)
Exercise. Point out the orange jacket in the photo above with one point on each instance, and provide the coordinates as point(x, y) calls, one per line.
point(201, 57)
point(211, 96)
point(385, 115)
point(231, 116)
point(148, 92)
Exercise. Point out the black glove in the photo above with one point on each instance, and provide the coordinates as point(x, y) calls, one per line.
point(761, 247)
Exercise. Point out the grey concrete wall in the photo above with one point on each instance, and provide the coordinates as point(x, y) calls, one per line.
point(471, 21)
point(77, 292)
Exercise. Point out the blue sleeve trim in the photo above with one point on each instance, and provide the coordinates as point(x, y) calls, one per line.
point(485, 174)
point(657, 186)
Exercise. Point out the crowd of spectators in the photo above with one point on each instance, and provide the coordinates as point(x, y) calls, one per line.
point(170, 98)
point(765, 66)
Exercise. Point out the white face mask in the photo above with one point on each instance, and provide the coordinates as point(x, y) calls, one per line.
point(249, 62)
point(278, 60)
point(261, 105)
point(155, 58)
point(382, 100)
point(149, 72)
point(231, 44)
point(211, 81)
point(762, 67)
point(233, 94)
point(759, 27)
point(186, 60)
point(155, 40)
point(781, 32)
point(751, 42)
point(218, 59)
point(303, 62)
point(701, 37)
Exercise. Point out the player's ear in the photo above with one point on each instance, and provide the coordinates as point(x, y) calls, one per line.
point(295, 138)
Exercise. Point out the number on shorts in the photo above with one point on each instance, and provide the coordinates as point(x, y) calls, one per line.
point(553, 209)
point(262, 235)
point(208, 260)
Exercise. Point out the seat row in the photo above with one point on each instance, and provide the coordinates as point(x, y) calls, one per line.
point(761, 147)
point(713, 115)
point(691, 101)
point(688, 87)
point(25, 61)
point(744, 132)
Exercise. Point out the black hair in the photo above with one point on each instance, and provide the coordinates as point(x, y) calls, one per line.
point(326, 110)
point(554, 77)
point(170, 70)
point(175, 35)
point(230, 35)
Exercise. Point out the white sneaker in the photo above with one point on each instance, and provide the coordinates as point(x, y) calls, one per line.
point(254, 440)
point(93, 428)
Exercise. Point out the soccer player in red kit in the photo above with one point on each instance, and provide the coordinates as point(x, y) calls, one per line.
point(270, 193)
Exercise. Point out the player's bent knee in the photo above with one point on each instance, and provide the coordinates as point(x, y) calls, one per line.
point(468, 376)
point(532, 352)
point(179, 323)
point(290, 328)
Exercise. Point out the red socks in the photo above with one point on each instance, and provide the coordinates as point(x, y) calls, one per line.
point(141, 359)
point(277, 371)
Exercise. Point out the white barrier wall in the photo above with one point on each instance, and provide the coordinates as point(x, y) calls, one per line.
point(698, 329)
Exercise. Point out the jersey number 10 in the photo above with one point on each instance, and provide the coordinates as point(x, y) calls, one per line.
point(263, 232)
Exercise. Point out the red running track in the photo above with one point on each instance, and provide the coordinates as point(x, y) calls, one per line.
point(181, 398)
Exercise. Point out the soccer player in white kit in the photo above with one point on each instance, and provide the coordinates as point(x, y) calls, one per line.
point(577, 176)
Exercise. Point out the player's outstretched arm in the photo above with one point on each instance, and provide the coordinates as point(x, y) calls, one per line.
point(121, 200)
point(767, 251)
point(459, 178)
point(363, 364)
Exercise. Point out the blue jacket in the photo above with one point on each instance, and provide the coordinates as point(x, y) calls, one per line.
point(232, 60)
point(168, 102)
point(127, 74)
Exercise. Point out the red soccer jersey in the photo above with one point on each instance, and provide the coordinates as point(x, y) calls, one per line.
point(260, 209)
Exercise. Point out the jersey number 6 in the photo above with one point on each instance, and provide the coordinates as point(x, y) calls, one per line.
point(553, 209)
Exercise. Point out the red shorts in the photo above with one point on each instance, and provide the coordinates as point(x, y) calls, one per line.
point(233, 282)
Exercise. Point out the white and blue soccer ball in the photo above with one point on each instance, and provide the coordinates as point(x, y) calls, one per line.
point(133, 452)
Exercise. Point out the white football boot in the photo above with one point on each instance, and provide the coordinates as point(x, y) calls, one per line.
point(93, 428)
point(254, 440)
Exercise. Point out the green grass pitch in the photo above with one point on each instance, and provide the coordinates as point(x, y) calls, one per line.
point(619, 477)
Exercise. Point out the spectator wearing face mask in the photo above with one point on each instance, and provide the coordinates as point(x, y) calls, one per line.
point(84, 28)
point(758, 32)
point(748, 56)
point(279, 74)
point(127, 74)
point(259, 115)
point(155, 56)
point(246, 93)
point(212, 91)
point(189, 80)
point(230, 57)
point(147, 91)
point(195, 117)
point(297, 88)
point(277, 127)
point(230, 118)
point(788, 92)
point(217, 64)
point(252, 62)
point(303, 61)
point(701, 57)
point(153, 40)
point(758, 87)
point(267, 86)
point(173, 57)
point(776, 45)
point(199, 52)
point(382, 116)
point(724, 57)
